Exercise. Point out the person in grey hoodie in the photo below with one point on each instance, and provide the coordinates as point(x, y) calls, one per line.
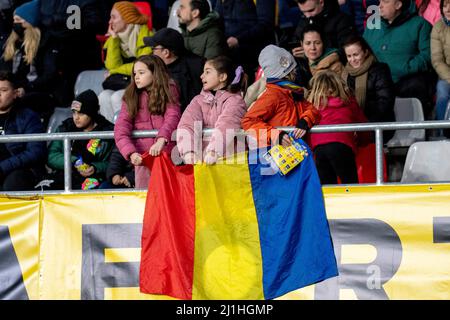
point(201, 29)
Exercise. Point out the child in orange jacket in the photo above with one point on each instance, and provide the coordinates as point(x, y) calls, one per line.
point(281, 104)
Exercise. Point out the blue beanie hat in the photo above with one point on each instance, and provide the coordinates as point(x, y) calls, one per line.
point(30, 12)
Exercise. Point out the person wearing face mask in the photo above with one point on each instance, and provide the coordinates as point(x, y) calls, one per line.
point(32, 61)
point(370, 81)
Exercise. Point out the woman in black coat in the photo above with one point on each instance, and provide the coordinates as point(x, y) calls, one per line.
point(371, 82)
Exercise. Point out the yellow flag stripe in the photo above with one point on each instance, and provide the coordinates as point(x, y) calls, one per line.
point(227, 259)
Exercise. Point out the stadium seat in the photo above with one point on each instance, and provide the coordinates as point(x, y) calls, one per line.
point(90, 79)
point(407, 109)
point(366, 164)
point(173, 18)
point(144, 8)
point(58, 116)
point(427, 162)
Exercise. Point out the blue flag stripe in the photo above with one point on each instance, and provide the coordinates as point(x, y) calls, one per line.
point(296, 245)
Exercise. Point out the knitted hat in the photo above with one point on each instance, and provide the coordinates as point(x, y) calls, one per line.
point(130, 13)
point(276, 62)
point(87, 103)
point(30, 12)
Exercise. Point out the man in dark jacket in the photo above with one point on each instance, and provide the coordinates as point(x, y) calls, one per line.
point(21, 163)
point(249, 27)
point(184, 67)
point(336, 25)
point(201, 29)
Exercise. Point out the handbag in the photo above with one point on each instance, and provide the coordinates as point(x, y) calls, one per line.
point(116, 82)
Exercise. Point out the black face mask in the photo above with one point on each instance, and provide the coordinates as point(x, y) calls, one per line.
point(19, 29)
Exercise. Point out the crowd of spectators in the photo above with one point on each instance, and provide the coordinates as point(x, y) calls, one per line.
point(46, 44)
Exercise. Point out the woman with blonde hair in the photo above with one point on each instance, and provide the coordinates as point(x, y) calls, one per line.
point(334, 151)
point(31, 61)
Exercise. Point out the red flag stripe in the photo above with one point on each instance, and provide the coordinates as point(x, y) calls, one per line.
point(167, 257)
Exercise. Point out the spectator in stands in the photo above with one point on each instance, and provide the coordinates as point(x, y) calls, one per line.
point(32, 61)
point(201, 29)
point(370, 81)
point(89, 157)
point(429, 10)
point(334, 151)
point(403, 42)
point(440, 57)
point(249, 27)
point(120, 172)
point(184, 66)
point(358, 10)
point(281, 104)
point(127, 30)
point(336, 25)
point(219, 106)
point(74, 37)
point(21, 163)
point(151, 102)
point(319, 55)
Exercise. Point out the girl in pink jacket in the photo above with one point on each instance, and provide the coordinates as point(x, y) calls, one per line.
point(150, 102)
point(219, 106)
point(334, 151)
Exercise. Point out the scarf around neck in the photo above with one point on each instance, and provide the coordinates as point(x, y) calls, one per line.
point(447, 22)
point(128, 40)
point(361, 75)
point(297, 91)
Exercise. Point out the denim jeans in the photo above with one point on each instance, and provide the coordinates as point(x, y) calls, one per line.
point(442, 97)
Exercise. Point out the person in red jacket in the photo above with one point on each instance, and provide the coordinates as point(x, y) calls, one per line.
point(334, 151)
point(281, 104)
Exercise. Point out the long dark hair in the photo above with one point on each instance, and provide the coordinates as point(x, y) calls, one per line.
point(314, 28)
point(225, 65)
point(159, 94)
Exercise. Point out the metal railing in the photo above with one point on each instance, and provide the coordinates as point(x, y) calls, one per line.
point(67, 137)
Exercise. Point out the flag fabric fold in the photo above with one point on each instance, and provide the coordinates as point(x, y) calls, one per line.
point(234, 231)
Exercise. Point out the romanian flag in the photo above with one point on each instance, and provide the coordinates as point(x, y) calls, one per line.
point(234, 231)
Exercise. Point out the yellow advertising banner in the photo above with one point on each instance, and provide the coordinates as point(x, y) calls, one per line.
point(390, 243)
point(19, 248)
